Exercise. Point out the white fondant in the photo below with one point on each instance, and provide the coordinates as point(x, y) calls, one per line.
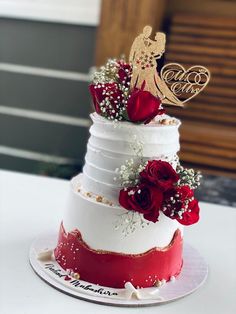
point(131, 291)
point(45, 255)
point(96, 222)
point(110, 144)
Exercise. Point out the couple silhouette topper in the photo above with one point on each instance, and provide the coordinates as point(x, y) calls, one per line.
point(144, 55)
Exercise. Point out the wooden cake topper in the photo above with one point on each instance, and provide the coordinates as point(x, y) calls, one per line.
point(175, 85)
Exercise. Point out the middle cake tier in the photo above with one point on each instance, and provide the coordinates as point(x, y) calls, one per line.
point(104, 227)
point(111, 144)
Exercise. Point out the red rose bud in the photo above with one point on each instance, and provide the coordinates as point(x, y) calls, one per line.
point(97, 97)
point(142, 106)
point(159, 173)
point(144, 199)
point(108, 91)
point(180, 205)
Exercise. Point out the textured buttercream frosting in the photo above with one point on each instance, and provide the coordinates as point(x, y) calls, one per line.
point(111, 144)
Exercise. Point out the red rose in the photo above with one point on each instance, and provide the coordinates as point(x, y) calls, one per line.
point(142, 106)
point(191, 215)
point(109, 91)
point(159, 173)
point(144, 199)
point(180, 205)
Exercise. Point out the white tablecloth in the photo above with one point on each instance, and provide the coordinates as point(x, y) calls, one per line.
point(31, 205)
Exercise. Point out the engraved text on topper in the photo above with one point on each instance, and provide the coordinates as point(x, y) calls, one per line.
point(185, 84)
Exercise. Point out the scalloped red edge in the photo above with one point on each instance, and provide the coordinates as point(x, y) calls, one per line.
point(112, 269)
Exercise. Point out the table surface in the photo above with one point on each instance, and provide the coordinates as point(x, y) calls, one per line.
point(31, 205)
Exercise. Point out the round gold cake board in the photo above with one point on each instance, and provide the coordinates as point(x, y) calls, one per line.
point(193, 275)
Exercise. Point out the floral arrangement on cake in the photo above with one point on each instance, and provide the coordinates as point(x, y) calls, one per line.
point(155, 186)
point(114, 99)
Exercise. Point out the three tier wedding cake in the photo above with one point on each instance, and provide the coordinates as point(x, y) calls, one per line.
point(125, 213)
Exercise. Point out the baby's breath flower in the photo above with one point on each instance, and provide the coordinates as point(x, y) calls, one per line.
point(116, 91)
point(188, 177)
point(130, 170)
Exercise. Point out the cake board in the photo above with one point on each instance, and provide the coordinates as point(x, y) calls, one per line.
point(192, 277)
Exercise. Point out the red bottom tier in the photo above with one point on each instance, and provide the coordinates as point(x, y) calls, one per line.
point(112, 269)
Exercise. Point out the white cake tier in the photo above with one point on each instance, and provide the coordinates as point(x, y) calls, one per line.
point(102, 228)
point(110, 144)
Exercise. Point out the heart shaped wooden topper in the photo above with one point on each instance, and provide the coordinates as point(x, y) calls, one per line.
point(185, 83)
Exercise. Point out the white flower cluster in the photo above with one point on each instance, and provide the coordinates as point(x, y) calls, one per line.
point(129, 172)
point(188, 177)
point(115, 92)
point(130, 221)
point(129, 176)
point(111, 108)
point(125, 90)
point(172, 203)
point(106, 73)
point(137, 146)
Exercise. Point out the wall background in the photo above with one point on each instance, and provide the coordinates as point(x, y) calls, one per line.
point(47, 48)
point(46, 52)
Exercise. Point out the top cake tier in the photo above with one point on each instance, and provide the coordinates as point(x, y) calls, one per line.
point(112, 143)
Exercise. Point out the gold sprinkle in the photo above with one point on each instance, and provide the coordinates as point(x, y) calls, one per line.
point(158, 283)
point(99, 198)
point(88, 194)
point(78, 190)
point(76, 276)
point(172, 122)
point(168, 121)
point(164, 121)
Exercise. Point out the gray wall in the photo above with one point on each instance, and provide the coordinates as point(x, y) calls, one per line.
point(41, 87)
